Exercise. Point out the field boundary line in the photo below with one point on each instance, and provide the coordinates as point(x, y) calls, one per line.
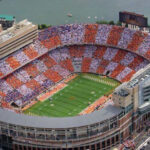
point(56, 88)
point(92, 107)
point(29, 105)
point(99, 102)
point(70, 78)
point(48, 94)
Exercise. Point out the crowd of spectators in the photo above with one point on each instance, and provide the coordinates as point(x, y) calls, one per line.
point(97, 34)
point(32, 69)
point(54, 66)
point(54, 37)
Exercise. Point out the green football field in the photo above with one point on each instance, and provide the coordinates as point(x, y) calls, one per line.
point(75, 97)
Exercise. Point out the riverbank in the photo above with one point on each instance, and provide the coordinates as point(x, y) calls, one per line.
point(83, 11)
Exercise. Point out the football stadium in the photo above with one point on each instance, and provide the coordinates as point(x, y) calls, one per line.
point(73, 87)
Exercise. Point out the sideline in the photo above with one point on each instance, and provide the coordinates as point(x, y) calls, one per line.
point(56, 88)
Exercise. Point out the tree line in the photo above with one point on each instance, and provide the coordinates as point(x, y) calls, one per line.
point(44, 26)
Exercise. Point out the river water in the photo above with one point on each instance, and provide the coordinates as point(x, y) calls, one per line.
point(55, 12)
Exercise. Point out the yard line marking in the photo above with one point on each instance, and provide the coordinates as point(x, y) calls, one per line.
point(99, 80)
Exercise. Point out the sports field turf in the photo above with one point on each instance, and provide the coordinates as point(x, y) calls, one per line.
point(75, 97)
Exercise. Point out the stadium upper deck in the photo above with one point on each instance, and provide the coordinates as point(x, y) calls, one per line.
point(111, 36)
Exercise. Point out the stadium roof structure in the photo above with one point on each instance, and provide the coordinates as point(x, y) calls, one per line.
point(67, 122)
point(7, 17)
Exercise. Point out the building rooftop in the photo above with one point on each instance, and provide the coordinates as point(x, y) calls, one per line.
point(140, 76)
point(15, 30)
point(133, 13)
point(122, 92)
point(144, 106)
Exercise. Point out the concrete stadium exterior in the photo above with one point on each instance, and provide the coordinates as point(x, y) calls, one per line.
point(102, 129)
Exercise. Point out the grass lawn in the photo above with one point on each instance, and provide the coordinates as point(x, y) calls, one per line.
point(70, 101)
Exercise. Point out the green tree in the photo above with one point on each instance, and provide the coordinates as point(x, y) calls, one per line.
point(111, 22)
point(118, 23)
point(102, 22)
point(43, 26)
